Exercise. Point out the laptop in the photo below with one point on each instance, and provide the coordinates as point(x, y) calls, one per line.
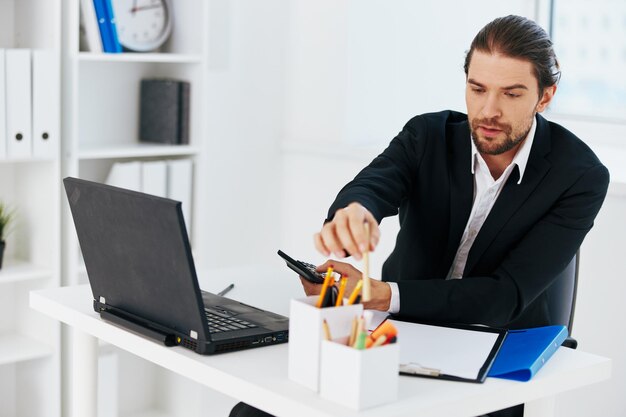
point(143, 278)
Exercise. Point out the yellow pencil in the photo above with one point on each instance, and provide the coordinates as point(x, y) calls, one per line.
point(355, 292)
point(367, 287)
point(329, 275)
point(342, 290)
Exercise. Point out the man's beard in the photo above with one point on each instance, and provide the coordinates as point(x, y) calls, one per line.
point(495, 146)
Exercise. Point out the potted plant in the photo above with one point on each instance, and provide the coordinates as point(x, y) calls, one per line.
point(6, 218)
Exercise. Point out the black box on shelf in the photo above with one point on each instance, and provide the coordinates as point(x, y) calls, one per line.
point(164, 111)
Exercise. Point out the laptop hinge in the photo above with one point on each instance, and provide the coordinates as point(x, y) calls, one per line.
point(168, 339)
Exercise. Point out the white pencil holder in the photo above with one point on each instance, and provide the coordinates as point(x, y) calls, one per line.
point(306, 334)
point(356, 378)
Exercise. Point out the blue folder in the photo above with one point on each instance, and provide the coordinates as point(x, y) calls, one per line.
point(525, 351)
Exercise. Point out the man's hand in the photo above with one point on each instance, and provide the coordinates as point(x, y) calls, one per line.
point(381, 293)
point(346, 232)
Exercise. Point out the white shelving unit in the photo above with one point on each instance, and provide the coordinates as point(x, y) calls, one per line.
point(101, 107)
point(101, 127)
point(30, 344)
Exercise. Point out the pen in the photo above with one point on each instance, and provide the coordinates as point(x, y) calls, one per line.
point(385, 329)
point(225, 290)
point(367, 287)
point(326, 330)
point(320, 299)
point(342, 290)
point(355, 292)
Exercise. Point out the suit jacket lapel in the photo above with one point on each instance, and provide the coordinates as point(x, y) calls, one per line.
point(513, 195)
point(461, 187)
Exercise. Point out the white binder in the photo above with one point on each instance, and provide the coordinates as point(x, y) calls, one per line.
point(3, 123)
point(18, 103)
point(89, 23)
point(179, 185)
point(46, 104)
point(125, 175)
point(154, 178)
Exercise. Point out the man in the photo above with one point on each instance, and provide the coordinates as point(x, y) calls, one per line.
point(492, 205)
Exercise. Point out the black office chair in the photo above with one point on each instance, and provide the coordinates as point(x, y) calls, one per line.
point(562, 298)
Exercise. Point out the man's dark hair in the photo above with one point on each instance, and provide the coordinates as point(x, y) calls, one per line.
point(519, 37)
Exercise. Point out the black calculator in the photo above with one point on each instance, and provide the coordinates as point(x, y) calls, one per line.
point(304, 269)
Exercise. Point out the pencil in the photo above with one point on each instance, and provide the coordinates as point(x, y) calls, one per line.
point(367, 287)
point(342, 290)
point(355, 292)
point(353, 330)
point(320, 299)
point(361, 335)
point(326, 330)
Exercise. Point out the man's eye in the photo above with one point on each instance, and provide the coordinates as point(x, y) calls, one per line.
point(512, 95)
point(478, 90)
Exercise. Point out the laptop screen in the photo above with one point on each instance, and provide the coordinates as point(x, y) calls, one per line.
point(137, 254)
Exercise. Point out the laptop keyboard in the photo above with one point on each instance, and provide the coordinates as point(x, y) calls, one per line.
point(219, 324)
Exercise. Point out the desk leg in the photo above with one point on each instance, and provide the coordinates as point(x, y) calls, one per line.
point(543, 407)
point(84, 374)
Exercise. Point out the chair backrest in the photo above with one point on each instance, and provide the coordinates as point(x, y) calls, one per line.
point(562, 294)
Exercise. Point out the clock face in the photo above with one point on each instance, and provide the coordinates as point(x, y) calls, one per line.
point(142, 25)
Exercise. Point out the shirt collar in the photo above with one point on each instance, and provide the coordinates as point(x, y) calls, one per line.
point(521, 157)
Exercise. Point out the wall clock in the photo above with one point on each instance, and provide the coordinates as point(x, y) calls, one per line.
point(142, 25)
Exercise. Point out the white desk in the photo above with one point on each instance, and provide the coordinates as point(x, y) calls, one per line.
point(259, 376)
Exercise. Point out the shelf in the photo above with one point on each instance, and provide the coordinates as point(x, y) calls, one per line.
point(149, 413)
point(15, 270)
point(16, 348)
point(26, 160)
point(134, 150)
point(139, 57)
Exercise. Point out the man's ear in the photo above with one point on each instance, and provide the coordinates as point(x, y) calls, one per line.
point(546, 98)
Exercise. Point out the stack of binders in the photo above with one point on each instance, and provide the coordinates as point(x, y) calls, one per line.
point(29, 104)
point(164, 178)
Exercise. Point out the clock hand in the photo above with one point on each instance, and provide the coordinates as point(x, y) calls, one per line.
point(153, 6)
point(134, 8)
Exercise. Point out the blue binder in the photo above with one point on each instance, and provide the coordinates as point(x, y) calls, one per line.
point(525, 351)
point(107, 26)
point(115, 42)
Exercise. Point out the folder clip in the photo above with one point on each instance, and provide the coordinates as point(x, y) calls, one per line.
point(417, 369)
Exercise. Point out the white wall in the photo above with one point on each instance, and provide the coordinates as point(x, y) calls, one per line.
point(295, 87)
point(598, 322)
point(245, 119)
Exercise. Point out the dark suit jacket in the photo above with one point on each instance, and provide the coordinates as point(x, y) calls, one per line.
point(532, 232)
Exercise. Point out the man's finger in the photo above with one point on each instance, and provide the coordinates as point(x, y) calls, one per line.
point(319, 244)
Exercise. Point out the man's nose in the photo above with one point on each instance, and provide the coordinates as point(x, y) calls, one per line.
point(491, 109)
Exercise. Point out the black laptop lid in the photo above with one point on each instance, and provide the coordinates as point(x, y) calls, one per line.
point(137, 254)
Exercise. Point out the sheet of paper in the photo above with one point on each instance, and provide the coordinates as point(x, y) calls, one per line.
point(456, 352)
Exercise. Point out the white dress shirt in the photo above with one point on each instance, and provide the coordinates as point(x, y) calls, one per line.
point(486, 191)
